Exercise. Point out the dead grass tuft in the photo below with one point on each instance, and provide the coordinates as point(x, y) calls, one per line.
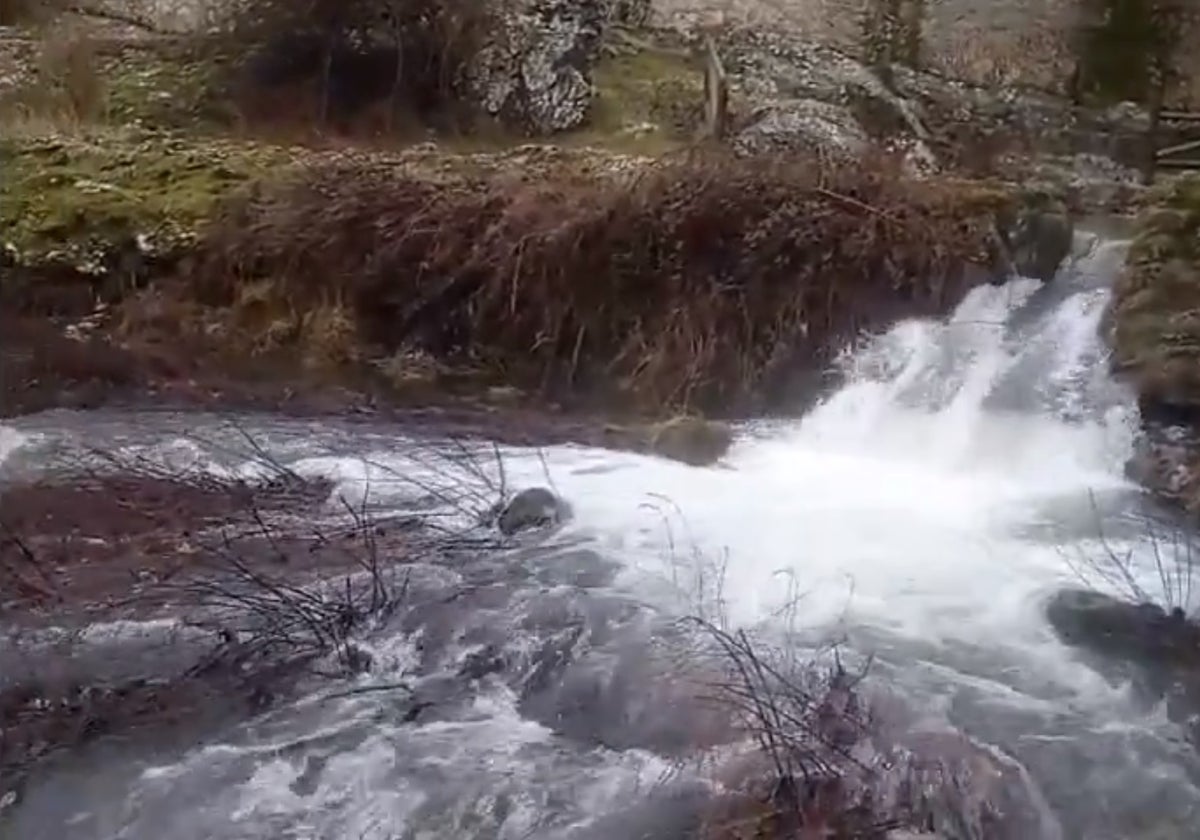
point(691, 284)
point(1038, 58)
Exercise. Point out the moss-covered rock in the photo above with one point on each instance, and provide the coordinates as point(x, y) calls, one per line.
point(1155, 312)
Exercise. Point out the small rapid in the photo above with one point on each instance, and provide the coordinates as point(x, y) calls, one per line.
point(922, 514)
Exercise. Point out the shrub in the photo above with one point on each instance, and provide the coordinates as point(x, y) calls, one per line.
point(348, 54)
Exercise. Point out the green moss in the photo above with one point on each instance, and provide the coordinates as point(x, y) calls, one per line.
point(160, 88)
point(124, 84)
point(1156, 302)
point(75, 199)
point(649, 100)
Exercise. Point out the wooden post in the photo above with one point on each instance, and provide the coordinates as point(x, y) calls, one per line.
point(716, 93)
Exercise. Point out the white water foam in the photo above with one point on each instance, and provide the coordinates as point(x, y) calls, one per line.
point(893, 503)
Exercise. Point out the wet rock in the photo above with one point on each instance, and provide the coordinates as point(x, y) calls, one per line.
point(692, 440)
point(673, 811)
point(1153, 324)
point(1157, 649)
point(902, 771)
point(1166, 458)
point(1141, 632)
point(536, 72)
point(626, 696)
point(535, 507)
point(1039, 236)
point(582, 567)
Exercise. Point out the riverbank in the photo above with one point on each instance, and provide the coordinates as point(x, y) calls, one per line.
point(615, 266)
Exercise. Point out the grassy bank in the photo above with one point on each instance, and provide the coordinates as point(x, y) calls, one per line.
point(657, 286)
point(690, 284)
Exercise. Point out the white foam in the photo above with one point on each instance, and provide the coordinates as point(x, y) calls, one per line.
point(897, 502)
point(11, 440)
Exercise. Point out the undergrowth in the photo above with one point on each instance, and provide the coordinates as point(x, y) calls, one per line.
point(330, 61)
point(696, 283)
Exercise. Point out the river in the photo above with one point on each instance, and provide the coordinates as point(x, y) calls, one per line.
point(921, 514)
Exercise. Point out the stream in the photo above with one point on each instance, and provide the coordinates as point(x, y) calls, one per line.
point(921, 515)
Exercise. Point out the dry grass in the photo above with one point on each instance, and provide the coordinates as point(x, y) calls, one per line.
point(68, 88)
point(691, 284)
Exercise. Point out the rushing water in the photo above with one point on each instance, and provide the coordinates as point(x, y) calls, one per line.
point(923, 512)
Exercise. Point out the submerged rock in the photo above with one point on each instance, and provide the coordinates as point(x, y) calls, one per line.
point(1158, 649)
point(1143, 633)
point(692, 440)
point(535, 507)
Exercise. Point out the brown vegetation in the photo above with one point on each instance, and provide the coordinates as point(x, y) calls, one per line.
point(691, 284)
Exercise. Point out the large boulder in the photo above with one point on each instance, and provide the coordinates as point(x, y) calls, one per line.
point(1038, 233)
point(795, 93)
point(1143, 633)
point(535, 73)
point(1158, 649)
